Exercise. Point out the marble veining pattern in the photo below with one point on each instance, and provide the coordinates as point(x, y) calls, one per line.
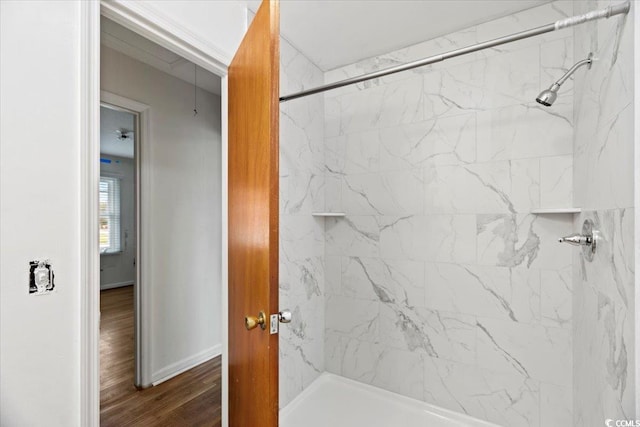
point(302, 191)
point(604, 290)
point(440, 284)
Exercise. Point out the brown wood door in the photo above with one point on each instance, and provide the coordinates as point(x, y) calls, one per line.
point(253, 220)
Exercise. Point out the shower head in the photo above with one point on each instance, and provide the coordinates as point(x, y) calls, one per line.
point(548, 96)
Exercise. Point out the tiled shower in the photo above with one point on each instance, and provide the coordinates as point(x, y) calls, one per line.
point(443, 282)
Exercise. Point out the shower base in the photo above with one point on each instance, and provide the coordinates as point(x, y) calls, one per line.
point(336, 401)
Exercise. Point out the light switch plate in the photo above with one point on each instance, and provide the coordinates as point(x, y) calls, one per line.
point(40, 277)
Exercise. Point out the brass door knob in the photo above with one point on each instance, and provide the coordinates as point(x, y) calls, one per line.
point(250, 322)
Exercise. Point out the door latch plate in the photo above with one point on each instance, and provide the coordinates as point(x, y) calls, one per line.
point(274, 321)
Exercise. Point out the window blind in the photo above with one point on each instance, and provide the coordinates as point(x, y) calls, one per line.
point(109, 215)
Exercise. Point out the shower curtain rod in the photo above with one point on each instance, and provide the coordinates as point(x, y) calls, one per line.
point(558, 25)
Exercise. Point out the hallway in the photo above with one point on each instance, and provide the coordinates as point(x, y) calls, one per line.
point(190, 399)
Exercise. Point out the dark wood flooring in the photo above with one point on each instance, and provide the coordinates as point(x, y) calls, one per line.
point(190, 399)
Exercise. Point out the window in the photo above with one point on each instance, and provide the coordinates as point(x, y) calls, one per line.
point(109, 215)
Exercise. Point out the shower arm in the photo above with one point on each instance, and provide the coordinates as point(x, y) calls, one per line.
point(617, 9)
point(572, 70)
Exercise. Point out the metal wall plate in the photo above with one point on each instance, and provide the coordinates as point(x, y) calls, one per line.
point(274, 321)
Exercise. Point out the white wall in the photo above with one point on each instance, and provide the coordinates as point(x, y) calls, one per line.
point(118, 269)
point(39, 84)
point(181, 230)
point(39, 211)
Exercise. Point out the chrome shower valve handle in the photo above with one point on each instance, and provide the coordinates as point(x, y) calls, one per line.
point(588, 239)
point(577, 240)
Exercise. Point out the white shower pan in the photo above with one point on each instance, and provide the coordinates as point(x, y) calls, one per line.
point(336, 401)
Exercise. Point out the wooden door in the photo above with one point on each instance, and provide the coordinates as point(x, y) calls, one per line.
point(253, 221)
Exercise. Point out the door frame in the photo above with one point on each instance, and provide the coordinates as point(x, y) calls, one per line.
point(140, 314)
point(136, 17)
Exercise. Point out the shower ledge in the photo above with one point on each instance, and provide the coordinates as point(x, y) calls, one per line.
point(328, 214)
point(542, 211)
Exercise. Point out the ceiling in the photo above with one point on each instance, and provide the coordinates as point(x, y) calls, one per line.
point(333, 33)
point(119, 38)
point(112, 121)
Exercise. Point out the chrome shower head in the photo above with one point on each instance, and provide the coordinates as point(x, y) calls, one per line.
point(548, 96)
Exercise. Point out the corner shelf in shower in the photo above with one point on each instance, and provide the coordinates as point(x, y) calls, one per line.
point(327, 214)
point(556, 211)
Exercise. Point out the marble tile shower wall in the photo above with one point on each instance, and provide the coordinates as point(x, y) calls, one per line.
point(603, 300)
point(301, 235)
point(440, 283)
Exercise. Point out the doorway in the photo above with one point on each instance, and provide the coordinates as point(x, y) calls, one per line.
point(118, 238)
point(160, 332)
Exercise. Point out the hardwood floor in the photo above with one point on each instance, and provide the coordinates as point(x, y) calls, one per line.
point(190, 399)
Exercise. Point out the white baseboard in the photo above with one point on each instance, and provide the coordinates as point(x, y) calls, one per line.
point(185, 364)
point(115, 285)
